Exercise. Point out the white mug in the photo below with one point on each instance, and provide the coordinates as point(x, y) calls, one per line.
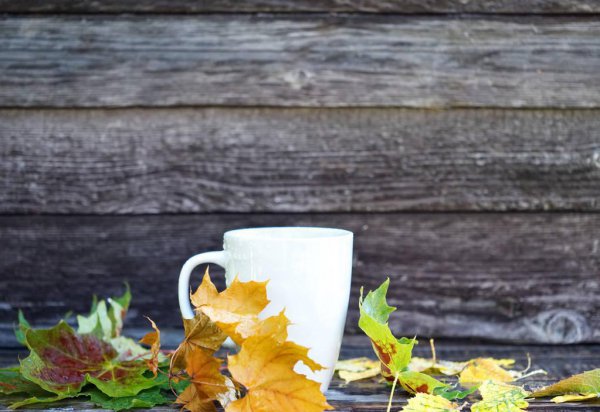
point(309, 271)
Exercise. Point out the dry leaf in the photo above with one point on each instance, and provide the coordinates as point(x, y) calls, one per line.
point(430, 403)
point(356, 364)
point(351, 370)
point(200, 333)
point(234, 310)
point(484, 369)
point(207, 382)
point(357, 376)
point(501, 397)
point(152, 339)
point(581, 387)
point(274, 326)
point(265, 367)
point(436, 367)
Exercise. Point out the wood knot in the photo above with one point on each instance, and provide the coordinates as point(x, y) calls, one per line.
point(560, 326)
point(297, 79)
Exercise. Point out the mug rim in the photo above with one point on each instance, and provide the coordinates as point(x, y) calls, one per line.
point(288, 233)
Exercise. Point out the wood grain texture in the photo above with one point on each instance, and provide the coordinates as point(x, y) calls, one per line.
point(370, 395)
point(517, 277)
point(304, 60)
point(286, 6)
point(297, 160)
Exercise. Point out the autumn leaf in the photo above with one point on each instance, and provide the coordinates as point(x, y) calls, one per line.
point(355, 369)
point(430, 403)
point(499, 396)
point(62, 361)
point(234, 310)
point(274, 326)
point(207, 382)
point(152, 339)
point(483, 369)
point(416, 382)
point(581, 387)
point(265, 367)
point(200, 333)
point(394, 354)
point(436, 367)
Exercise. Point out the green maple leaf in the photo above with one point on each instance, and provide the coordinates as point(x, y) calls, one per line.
point(394, 354)
point(144, 399)
point(62, 361)
point(584, 386)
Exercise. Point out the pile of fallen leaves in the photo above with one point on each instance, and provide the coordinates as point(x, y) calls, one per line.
point(96, 363)
point(490, 382)
point(93, 362)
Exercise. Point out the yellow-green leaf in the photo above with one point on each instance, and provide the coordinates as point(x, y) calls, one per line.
point(583, 386)
point(501, 397)
point(394, 354)
point(431, 403)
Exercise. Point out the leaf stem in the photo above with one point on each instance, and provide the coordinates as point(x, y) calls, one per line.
point(389, 408)
point(433, 357)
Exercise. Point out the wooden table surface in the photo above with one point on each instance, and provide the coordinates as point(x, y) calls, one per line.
point(370, 395)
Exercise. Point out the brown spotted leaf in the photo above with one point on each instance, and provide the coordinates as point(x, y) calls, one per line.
point(394, 354)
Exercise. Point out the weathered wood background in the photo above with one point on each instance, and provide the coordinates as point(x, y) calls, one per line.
point(459, 140)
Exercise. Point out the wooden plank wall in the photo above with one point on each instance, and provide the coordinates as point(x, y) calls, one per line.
point(459, 140)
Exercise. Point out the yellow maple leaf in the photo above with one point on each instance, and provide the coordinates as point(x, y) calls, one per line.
point(430, 403)
point(265, 367)
point(152, 339)
point(235, 310)
point(274, 326)
point(483, 369)
point(501, 397)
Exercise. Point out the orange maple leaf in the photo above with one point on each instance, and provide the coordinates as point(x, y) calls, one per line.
point(152, 339)
point(207, 382)
point(234, 310)
point(265, 366)
point(200, 333)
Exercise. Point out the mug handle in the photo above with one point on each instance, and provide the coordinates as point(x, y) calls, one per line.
point(219, 258)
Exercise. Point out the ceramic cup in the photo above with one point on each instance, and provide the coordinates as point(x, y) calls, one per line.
point(309, 271)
